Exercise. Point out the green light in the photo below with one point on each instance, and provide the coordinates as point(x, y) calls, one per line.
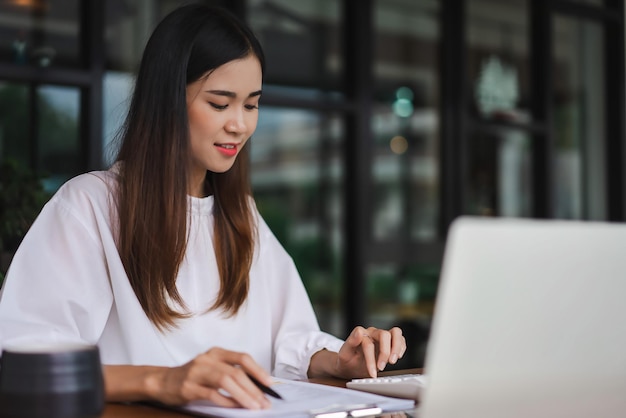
point(403, 105)
point(402, 108)
point(404, 93)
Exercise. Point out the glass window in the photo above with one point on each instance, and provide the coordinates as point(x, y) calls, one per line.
point(297, 179)
point(405, 121)
point(128, 26)
point(591, 2)
point(300, 39)
point(117, 87)
point(499, 178)
point(15, 123)
point(404, 296)
point(40, 33)
point(49, 143)
point(579, 128)
point(497, 59)
point(59, 149)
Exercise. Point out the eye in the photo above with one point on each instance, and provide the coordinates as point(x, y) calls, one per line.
point(217, 106)
point(251, 107)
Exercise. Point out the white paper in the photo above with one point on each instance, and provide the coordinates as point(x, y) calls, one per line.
point(304, 399)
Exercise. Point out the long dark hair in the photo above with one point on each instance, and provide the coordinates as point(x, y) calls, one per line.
point(154, 161)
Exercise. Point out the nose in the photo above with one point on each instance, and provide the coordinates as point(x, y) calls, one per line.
point(236, 124)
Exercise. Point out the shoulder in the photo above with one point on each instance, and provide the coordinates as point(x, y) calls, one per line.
point(93, 181)
point(81, 205)
point(92, 189)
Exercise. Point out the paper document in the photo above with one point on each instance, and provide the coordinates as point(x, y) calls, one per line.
point(304, 399)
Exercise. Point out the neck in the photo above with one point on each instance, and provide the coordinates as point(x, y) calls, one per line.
point(197, 186)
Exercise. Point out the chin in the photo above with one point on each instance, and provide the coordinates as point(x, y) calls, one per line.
point(220, 169)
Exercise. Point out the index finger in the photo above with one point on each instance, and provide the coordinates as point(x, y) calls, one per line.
point(364, 338)
point(251, 367)
point(383, 338)
point(242, 390)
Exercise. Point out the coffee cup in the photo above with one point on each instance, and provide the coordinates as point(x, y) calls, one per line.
point(51, 381)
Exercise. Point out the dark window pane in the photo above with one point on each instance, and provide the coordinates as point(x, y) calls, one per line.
point(404, 296)
point(300, 39)
point(499, 181)
point(41, 33)
point(59, 156)
point(15, 123)
point(117, 87)
point(405, 168)
point(128, 25)
point(590, 2)
point(297, 180)
point(498, 62)
point(405, 117)
point(579, 114)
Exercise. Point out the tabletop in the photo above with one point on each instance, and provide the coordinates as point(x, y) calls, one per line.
point(118, 410)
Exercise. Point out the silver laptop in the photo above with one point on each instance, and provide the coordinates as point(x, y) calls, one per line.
point(530, 321)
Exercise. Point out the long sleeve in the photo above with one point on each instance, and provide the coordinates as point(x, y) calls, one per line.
point(57, 286)
point(297, 335)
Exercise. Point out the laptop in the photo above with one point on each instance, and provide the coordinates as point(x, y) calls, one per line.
point(530, 321)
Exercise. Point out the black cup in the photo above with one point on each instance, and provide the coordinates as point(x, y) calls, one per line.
point(63, 381)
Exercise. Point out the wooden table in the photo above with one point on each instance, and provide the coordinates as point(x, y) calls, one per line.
point(115, 410)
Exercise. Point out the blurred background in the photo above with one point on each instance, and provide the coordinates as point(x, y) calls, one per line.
point(381, 121)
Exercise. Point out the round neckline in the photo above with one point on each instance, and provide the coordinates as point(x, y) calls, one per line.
point(200, 204)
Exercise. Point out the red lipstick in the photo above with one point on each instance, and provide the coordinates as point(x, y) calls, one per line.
point(229, 150)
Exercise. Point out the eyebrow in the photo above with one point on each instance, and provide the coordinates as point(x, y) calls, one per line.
point(232, 94)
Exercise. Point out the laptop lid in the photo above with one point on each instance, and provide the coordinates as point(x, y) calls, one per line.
point(530, 321)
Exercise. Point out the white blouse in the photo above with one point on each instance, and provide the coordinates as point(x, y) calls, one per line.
point(66, 283)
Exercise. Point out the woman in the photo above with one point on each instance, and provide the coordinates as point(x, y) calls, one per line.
point(163, 260)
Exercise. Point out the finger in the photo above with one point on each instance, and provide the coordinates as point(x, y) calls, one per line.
point(383, 338)
point(213, 395)
point(231, 378)
point(244, 391)
point(244, 380)
point(403, 349)
point(249, 387)
point(245, 361)
point(369, 355)
point(398, 345)
point(356, 337)
point(251, 367)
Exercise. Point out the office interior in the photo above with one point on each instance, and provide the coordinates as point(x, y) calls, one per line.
point(381, 122)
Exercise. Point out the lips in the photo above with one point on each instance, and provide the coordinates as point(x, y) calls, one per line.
point(228, 150)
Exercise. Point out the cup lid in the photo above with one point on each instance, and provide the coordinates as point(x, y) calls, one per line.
point(39, 347)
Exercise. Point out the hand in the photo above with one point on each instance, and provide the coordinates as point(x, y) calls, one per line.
point(367, 351)
point(208, 375)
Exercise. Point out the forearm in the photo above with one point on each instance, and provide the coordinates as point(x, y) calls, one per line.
point(131, 383)
point(323, 364)
point(199, 379)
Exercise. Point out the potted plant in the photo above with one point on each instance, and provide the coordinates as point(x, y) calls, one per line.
point(21, 198)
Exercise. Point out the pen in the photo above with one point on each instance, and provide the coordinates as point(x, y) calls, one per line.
point(265, 389)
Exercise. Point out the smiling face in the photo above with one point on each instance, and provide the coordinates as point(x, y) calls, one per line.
point(223, 113)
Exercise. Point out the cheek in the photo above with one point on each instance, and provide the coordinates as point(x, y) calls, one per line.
point(252, 122)
point(196, 115)
point(200, 121)
point(192, 116)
